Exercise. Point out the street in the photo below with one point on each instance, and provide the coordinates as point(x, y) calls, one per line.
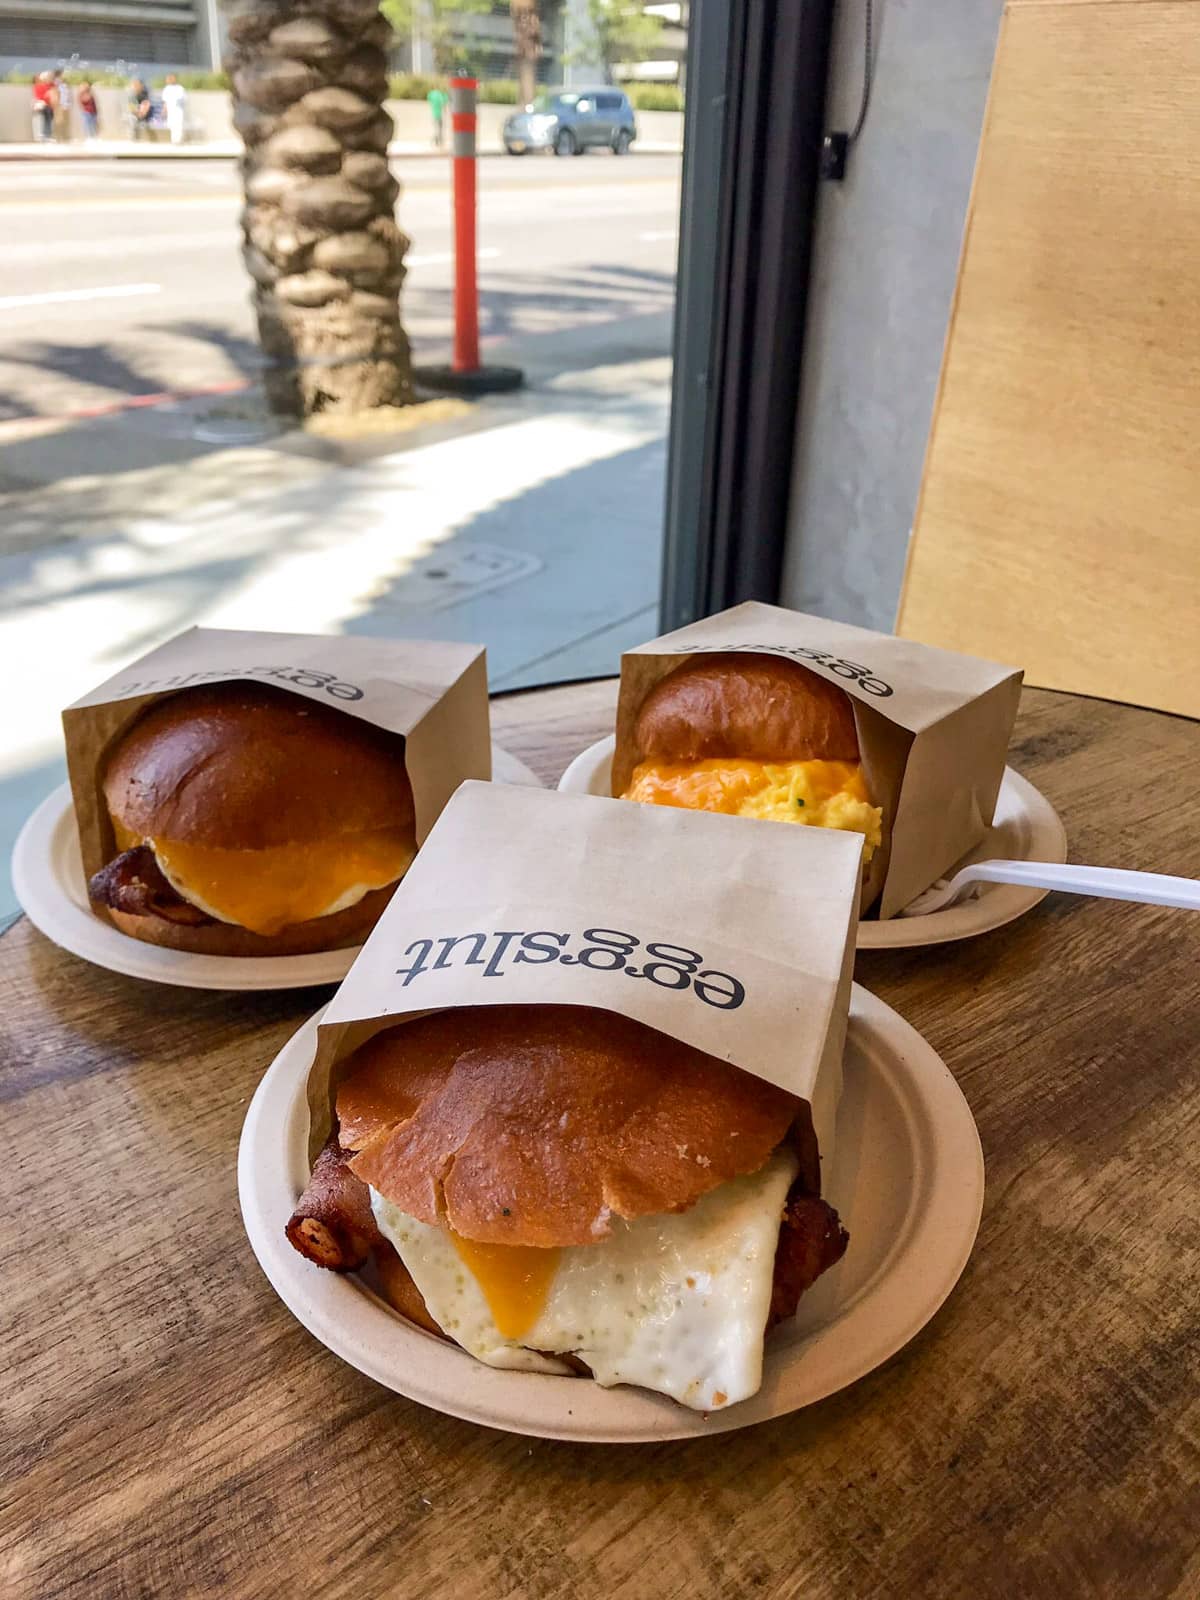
point(531, 522)
point(123, 279)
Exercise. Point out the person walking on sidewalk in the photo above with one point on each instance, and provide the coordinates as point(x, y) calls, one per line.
point(88, 111)
point(438, 101)
point(43, 107)
point(139, 109)
point(174, 99)
point(62, 109)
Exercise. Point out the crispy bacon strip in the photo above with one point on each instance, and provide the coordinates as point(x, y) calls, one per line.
point(811, 1240)
point(134, 883)
point(333, 1224)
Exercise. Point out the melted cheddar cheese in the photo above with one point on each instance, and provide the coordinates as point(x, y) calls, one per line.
point(821, 794)
point(269, 890)
point(514, 1279)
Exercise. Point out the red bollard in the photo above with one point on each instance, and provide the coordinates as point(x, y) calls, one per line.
point(465, 375)
point(466, 285)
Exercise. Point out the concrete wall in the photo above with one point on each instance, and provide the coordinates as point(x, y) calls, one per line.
point(208, 114)
point(209, 118)
point(886, 256)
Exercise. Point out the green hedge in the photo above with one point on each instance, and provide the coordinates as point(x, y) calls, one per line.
point(197, 80)
point(102, 80)
point(412, 85)
point(499, 92)
point(655, 96)
point(416, 85)
point(401, 86)
point(117, 80)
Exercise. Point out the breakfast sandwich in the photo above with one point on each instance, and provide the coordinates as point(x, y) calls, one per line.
point(754, 735)
point(251, 821)
point(561, 1189)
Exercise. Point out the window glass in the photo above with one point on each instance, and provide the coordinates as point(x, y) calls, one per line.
point(149, 479)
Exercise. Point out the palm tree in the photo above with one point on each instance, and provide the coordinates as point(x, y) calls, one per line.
point(320, 238)
point(527, 41)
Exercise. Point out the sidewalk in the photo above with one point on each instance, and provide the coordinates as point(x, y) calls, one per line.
point(531, 523)
point(225, 149)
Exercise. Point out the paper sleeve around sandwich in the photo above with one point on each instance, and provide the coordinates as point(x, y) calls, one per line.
point(933, 727)
point(433, 695)
point(531, 897)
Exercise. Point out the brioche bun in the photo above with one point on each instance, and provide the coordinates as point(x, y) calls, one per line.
point(745, 707)
point(534, 1125)
point(246, 767)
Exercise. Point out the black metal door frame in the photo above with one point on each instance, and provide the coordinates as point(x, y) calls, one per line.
point(754, 124)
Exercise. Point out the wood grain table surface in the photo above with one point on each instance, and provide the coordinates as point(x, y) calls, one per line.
point(168, 1429)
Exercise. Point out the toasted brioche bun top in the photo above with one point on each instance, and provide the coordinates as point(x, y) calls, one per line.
point(247, 766)
point(747, 707)
point(534, 1125)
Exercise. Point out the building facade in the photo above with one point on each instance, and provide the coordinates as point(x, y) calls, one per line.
point(480, 42)
point(180, 35)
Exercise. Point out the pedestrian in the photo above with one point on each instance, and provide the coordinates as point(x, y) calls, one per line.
point(43, 107)
point(88, 111)
point(139, 108)
point(62, 109)
point(174, 99)
point(438, 101)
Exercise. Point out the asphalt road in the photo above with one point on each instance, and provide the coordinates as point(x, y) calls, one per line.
point(122, 279)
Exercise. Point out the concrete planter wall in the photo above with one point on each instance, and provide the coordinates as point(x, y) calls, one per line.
point(209, 118)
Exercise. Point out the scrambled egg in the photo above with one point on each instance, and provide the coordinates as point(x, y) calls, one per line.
point(821, 794)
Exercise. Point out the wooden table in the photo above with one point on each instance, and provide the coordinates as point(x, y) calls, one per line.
point(169, 1430)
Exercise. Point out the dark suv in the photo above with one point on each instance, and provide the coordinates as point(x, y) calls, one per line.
point(567, 121)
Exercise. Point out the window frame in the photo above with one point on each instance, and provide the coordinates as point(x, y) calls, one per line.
point(754, 123)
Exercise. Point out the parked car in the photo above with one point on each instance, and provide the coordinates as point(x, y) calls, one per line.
point(567, 121)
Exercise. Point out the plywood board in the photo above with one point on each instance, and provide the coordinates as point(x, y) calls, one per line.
point(1059, 521)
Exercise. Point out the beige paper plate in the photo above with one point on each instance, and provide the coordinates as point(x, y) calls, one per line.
point(907, 1179)
point(1026, 827)
point(49, 883)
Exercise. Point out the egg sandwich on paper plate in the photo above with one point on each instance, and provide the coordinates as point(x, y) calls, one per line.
point(251, 794)
point(767, 713)
point(573, 1107)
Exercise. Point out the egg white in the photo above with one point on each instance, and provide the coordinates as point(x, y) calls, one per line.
point(673, 1303)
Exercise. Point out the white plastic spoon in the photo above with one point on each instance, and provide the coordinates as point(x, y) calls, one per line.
point(1107, 883)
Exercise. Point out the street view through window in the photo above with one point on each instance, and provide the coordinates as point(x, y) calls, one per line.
point(193, 434)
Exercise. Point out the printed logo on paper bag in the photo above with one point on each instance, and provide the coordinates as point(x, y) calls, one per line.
point(601, 950)
point(302, 677)
point(866, 680)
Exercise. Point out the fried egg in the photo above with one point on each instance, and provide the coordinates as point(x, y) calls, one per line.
point(821, 794)
point(674, 1303)
point(268, 890)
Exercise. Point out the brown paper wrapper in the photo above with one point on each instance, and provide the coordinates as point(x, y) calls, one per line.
point(686, 923)
point(933, 728)
point(434, 695)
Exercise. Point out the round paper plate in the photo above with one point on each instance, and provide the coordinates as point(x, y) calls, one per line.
point(907, 1179)
point(49, 883)
point(1026, 827)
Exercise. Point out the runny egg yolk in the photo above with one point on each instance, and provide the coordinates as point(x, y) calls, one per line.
point(822, 794)
point(513, 1278)
point(268, 890)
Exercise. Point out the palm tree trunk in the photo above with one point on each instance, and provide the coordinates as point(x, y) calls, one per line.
point(320, 238)
point(527, 39)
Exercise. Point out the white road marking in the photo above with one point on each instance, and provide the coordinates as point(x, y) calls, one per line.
point(438, 258)
point(50, 297)
point(665, 233)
